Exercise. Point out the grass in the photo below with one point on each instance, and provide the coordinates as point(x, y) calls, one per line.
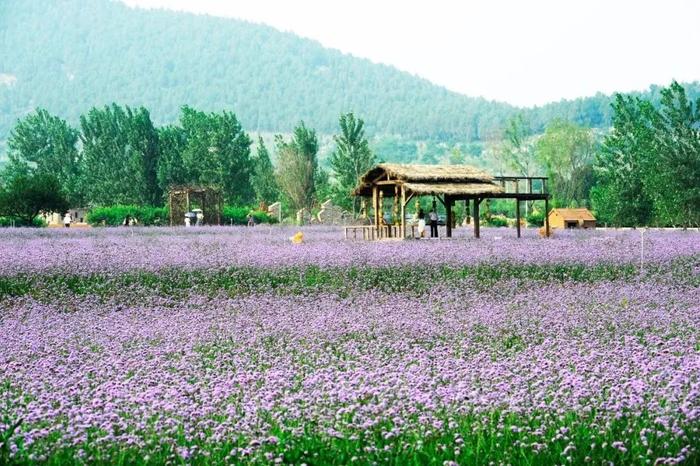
point(540, 439)
point(298, 280)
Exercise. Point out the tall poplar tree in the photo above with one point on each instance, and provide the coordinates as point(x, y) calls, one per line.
point(351, 159)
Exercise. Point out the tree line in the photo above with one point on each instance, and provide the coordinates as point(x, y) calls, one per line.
point(644, 171)
point(118, 156)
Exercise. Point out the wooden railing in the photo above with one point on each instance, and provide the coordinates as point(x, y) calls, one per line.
point(522, 184)
point(371, 232)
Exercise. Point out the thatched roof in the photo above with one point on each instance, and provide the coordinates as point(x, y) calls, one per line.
point(573, 214)
point(441, 173)
point(453, 188)
point(429, 179)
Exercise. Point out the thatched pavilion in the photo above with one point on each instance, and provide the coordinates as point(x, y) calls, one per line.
point(448, 184)
point(182, 199)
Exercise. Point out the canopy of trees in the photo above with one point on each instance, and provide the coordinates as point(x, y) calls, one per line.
point(649, 167)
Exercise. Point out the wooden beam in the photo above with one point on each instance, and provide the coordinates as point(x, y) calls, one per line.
point(448, 208)
point(442, 202)
point(388, 182)
point(477, 201)
point(517, 216)
point(408, 199)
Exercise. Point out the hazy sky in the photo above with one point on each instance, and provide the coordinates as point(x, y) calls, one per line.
point(522, 52)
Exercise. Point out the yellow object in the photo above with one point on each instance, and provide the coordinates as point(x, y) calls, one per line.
point(298, 238)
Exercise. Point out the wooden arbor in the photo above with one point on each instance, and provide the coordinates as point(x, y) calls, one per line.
point(448, 183)
point(181, 199)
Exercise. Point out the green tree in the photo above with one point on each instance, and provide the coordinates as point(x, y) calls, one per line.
point(120, 149)
point(263, 178)
point(26, 196)
point(619, 196)
point(297, 166)
point(566, 150)
point(45, 144)
point(217, 153)
point(517, 149)
point(673, 179)
point(350, 160)
point(172, 141)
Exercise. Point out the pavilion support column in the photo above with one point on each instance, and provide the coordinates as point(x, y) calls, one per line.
point(375, 206)
point(517, 215)
point(477, 201)
point(448, 208)
point(403, 212)
point(546, 217)
point(467, 211)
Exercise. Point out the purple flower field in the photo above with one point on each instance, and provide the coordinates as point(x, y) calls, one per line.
point(520, 372)
point(120, 249)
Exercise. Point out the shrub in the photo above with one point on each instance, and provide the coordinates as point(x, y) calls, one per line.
point(238, 215)
point(18, 222)
point(115, 215)
point(498, 221)
point(535, 218)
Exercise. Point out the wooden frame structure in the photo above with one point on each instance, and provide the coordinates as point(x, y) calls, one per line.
point(447, 183)
point(180, 200)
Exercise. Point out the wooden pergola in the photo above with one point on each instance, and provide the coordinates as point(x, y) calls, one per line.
point(447, 183)
point(181, 199)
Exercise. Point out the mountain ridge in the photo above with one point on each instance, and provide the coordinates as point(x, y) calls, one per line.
point(83, 53)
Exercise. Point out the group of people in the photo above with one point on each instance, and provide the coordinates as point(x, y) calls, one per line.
point(196, 217)
point(433, 218)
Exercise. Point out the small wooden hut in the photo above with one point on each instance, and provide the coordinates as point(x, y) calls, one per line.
point(448, 183)
point(182, 199)
point(571, 218)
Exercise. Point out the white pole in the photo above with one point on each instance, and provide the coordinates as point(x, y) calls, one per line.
point(642, 259)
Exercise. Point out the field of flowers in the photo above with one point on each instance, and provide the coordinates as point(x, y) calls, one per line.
point(231, 345)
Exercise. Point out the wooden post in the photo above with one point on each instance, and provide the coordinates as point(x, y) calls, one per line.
point(375, 205)
point(403, 212)
point(517, 215)
point(476, 217)
point(546, 217)
point(466, 210)
point(448, 208)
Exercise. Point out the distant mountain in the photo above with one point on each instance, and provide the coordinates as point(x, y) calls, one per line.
point(70, 55)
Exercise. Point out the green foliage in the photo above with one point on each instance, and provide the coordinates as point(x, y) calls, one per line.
point(516, 152)
point(297, 167)
point(45, 144)
point(263, 178)
point(37, 222)
point(351, 159)
point(648, 168)
point(498, 221)
point(120, 149)
point(619, 196)
point(566, 150)
point(216, 152)
point(26, 196)
point(115, 215)
point(535, 218)
point(238, 215)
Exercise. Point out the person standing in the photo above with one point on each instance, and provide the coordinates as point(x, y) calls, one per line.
point(421, 223)
point(67, 219)
point(433, 223)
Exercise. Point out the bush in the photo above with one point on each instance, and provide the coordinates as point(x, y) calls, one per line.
point(239, 216)
point(115, 215)
point(535, 218)
point(498, 221)
point(18, 222)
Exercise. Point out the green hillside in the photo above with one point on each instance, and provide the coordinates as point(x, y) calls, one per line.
point(70, 55)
